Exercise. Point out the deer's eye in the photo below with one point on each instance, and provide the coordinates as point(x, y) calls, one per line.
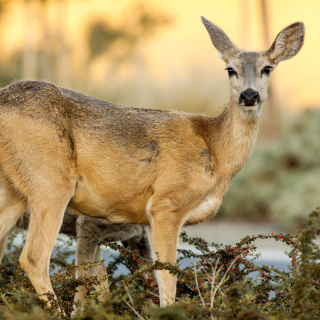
point(231, 72)
point(267, 70)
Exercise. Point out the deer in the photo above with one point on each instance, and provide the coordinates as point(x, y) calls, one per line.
point(61, 149)
point(132, 236)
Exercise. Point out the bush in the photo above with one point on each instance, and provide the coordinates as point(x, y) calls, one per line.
point(219, 286)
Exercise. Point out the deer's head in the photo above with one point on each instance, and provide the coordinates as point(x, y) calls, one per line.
point(249, 70)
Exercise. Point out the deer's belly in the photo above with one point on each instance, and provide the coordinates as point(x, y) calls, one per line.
point(110, 205)
point(207, 208)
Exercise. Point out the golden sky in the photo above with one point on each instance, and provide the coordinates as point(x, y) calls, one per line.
point(182, 52)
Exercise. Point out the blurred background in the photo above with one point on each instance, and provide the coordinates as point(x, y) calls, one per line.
point(157, 54)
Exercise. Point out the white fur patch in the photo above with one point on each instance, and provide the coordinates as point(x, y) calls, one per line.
point(206, 208)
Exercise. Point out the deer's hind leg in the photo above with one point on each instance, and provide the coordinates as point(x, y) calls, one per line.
point(12, 206)
point(87, 253)
point(39, 160)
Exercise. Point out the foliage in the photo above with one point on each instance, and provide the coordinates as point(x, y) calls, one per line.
point(139, 23)
point(281, 181)
point(220, 285)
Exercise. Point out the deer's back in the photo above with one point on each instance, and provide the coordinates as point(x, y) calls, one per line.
point(120, 156)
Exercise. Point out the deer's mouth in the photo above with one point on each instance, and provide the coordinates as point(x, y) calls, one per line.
point(249, 106)
point(249, 98)
point(249, 103)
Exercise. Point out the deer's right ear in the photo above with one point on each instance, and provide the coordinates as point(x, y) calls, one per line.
point(287, 43)
point(219, 39)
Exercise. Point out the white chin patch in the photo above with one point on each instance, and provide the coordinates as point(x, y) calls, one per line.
point(249, 108)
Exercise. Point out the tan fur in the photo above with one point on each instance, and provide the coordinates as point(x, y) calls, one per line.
point(61, 148)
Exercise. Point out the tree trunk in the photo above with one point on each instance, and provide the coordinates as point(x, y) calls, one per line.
point(63, 61)
point(29, 53)
point(272, 122)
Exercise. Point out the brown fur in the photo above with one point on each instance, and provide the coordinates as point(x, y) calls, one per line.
point(162, 169)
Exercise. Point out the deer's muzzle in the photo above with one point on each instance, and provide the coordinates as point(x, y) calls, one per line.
point(249, 97)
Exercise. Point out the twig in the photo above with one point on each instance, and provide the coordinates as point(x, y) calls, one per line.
point(224, 276)
point(196, 279)
point(291, 307)
point(217, 286)
point(210, 280)
point(134, 310)
point(156, 295)
point(4, 299)
point(128, 293)
point(281, 275)
point(214, 272)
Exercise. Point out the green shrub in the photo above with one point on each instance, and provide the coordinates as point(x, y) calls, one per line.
point(219, 286)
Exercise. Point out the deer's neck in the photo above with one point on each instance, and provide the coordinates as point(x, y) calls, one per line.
point(232, 136)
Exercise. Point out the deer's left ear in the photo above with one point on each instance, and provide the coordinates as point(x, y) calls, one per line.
point(287, 43)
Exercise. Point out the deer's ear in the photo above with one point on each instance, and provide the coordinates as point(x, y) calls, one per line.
point(219, 39)
point(287, 43)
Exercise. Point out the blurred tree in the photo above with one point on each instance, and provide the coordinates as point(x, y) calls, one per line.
point(45, 52)
point(29, 53)
point(49, 59)
point(3, 5)
point(142, 22)
point(62, 55)
point(101, 37)
point(9, 70)
point(272, 123)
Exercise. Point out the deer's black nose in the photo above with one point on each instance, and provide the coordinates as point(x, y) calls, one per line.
point(249, 97)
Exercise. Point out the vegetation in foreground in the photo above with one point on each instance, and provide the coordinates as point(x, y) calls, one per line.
point(224, 283)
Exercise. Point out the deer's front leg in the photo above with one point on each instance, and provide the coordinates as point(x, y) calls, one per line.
point(163, 238)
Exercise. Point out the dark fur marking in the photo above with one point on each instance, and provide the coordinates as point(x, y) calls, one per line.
point(146, 160)
point(206, 154)
point(151, 147)
point(200, 126)
point(31, 261)
point(152, 151)
point(248, 63)
point(248, 56)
